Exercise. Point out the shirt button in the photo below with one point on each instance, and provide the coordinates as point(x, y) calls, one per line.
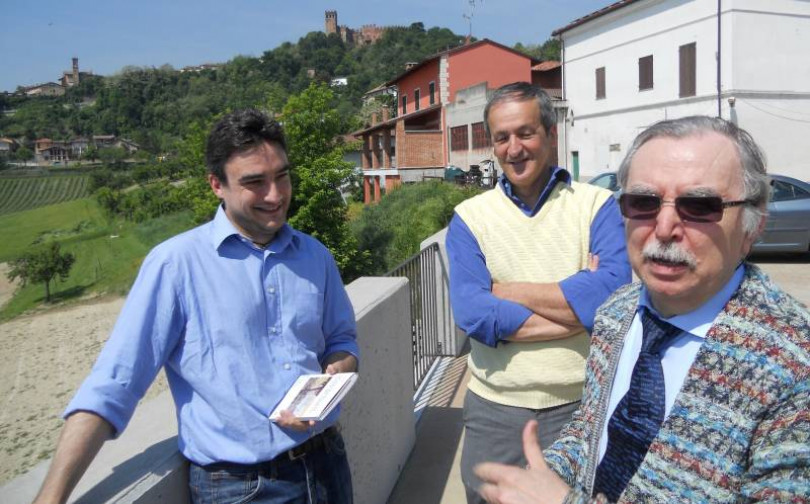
point(287, 365)
point(271, 290)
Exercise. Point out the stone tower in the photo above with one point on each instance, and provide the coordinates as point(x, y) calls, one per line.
point(331, 22)
point(75, 71)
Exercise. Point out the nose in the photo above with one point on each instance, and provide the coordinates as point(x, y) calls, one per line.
point(668, 224)
point(515, 148)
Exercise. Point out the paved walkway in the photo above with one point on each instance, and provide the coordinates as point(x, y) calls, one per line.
point(432, 474)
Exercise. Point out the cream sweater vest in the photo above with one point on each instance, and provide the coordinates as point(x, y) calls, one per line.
point(547, 247)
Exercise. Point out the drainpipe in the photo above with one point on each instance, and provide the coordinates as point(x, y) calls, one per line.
point(564, 97)
point(719, 60)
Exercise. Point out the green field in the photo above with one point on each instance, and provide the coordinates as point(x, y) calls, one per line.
point(25, 193)
point(108, 254)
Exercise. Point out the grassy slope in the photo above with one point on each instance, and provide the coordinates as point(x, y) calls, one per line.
point(107, 255)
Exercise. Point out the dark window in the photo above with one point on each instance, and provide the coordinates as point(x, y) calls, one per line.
point(416, 94)
point(404, 104)
point(785, 191)
point(600, 83)
point(480, 139)
point(645, 72)
point(687, 70)
point(432, 90)
point(458, 138)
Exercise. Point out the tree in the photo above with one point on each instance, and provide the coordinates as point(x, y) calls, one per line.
point(311, 125)
point(42, 265)
point(24, 154)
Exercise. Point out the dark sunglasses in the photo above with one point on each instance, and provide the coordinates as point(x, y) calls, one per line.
point(689, 208)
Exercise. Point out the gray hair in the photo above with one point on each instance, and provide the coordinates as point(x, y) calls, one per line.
point(756, 187)
point(522, 91)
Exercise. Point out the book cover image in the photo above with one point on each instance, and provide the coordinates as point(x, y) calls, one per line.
point(313, 397)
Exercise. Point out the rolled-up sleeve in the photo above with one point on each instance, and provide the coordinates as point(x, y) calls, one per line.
point(481, 315)
point(586, 290)
point(145, 333)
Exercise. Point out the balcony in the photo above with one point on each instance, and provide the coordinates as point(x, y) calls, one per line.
point(402, 422)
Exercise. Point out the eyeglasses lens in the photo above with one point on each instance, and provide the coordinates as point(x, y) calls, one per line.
point(689, 208)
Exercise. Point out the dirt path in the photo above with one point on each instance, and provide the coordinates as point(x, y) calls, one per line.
point(44, 359)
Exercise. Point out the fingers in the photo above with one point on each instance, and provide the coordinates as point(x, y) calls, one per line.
point(288, 421)
point(531, 446)
point(491, 474)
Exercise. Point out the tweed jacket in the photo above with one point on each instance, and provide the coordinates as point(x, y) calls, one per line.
point(739, 430)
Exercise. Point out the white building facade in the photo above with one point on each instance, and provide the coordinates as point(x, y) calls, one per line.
point(636, 62)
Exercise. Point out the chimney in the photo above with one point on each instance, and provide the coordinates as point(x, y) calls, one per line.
point(410, 65)
point(75, 71)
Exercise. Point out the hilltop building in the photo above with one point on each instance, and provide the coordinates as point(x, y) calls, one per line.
point(72, 77)
point(635, 62)
point(365, 35)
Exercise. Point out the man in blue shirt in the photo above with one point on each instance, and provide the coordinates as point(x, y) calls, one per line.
point(524, 282)
point(234, 310)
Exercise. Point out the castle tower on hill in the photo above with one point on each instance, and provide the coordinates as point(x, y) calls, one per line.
point(331, 22)
point(366, 35)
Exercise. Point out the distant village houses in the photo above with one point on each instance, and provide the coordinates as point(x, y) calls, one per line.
point(56, 151)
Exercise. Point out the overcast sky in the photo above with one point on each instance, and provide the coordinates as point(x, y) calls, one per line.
point(38, 40)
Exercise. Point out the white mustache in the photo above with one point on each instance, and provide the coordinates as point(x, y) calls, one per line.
point(668, 252)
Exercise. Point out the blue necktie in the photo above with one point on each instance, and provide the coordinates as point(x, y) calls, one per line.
point(639, 414)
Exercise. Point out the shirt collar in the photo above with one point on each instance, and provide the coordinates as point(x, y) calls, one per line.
point(557, 175)
point(222, 229)
point(699, 321)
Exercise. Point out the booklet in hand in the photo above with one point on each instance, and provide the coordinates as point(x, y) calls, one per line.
point(313, 397)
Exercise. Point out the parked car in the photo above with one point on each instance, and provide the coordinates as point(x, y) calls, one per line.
point(609, 181)
point(788, 225)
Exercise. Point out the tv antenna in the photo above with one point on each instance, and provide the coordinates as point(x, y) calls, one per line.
point(469, 16)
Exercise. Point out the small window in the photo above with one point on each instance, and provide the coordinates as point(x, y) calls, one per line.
point(458, 138)
point(600, 83)
point(416, 94)
point(687, 63)
point(480, 139)
point(404, 104)
point(432, 91)
point(645, 73)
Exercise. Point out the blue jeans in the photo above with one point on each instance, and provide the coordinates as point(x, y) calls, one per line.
point(321, 476)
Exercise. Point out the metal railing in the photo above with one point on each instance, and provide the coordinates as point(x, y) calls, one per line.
point(431, 325)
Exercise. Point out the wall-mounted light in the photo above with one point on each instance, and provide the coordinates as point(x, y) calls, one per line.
point(731, 101)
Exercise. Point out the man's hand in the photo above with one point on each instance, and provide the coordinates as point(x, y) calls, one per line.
point(288, 421)
point(340, 362)
point(536, 484)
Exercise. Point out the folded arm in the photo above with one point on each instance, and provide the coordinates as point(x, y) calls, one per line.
point(482, 315)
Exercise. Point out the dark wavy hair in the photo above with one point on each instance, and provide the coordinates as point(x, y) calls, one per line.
point(239, 131)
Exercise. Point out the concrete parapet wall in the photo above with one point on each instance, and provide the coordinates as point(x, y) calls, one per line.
point(143, 466)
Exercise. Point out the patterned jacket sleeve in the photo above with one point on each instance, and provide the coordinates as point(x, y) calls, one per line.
point(779, 460)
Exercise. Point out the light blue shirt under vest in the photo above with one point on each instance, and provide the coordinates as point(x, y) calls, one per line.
point(233, 325)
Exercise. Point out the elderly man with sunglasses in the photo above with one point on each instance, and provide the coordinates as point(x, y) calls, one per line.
point(698, 379)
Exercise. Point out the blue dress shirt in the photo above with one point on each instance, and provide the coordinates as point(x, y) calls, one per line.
point(488, 319)
point(678, 357)
point(234, 325)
